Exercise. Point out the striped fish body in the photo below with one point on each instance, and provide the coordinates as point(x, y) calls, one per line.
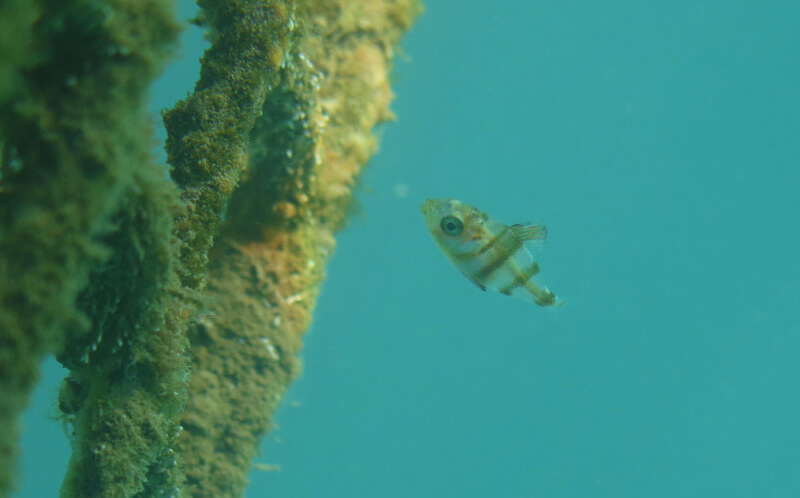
point(489, 253)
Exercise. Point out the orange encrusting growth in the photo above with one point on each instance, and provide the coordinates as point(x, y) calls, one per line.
point(266, 267)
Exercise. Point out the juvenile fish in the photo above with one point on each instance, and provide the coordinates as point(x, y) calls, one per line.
point(490, 254)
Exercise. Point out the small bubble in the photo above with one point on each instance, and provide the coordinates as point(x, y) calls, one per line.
point(401, 190)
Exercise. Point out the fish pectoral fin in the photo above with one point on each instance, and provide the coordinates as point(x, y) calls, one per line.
point(528, 231)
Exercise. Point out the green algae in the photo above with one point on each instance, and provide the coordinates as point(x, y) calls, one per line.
point(128, 385)
point(16, 29)
point(207, 144)
point(73, 133)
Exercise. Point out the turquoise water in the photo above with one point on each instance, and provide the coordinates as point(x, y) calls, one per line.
point(659, 144)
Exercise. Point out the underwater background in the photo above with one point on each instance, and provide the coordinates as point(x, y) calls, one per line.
point(659, 143)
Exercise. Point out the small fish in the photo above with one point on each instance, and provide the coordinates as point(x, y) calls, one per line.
point(492, 255)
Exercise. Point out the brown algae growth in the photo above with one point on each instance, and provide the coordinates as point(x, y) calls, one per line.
point(132, 279)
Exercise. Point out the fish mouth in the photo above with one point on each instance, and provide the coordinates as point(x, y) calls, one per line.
point(426, 207)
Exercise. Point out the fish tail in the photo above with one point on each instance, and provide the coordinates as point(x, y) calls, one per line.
point(543, 297)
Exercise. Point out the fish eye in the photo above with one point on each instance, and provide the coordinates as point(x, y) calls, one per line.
point(451, 225)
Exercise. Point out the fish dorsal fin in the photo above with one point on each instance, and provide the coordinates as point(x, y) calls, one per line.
point(526, 232)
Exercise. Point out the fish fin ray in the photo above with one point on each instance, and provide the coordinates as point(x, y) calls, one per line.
point(529, 232)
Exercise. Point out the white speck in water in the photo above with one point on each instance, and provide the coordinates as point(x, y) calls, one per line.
point(401, 190)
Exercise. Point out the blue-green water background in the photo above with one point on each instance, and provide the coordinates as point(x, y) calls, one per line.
point(659, 141)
